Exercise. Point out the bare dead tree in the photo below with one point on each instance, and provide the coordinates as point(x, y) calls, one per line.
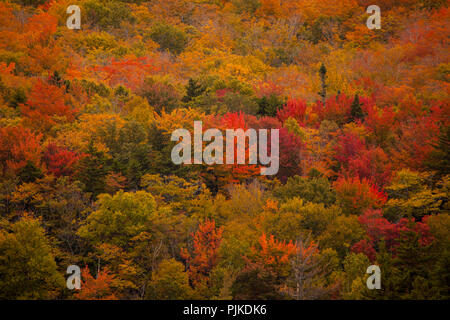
point(306, 266)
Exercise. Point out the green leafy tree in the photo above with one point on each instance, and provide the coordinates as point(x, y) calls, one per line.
point(30, 172)
point(268, 106)
point(440, 274)
point(119, 217)
point(353, 283)
point(341, 234)
point(27, 264)
point(92, 171)
point(317, 190)
point(415, 262)
point(297, 215)
point(169, 38)
point(107, 13)
point(411, 194)
point(193, 89)
point(169, 282)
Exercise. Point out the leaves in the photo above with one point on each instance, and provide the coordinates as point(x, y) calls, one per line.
point(204, 255)
point(18, 146)
point(98, 288)
point(46, 106)
point(85, 123)
point(24, 246)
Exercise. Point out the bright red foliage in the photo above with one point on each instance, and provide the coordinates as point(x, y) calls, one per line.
point(290, 145)
point(336, 109)
point(60, 161)
point(291, 148)
point(380, 122)
point(348, 147)
point(205, 252)
point(372, 164)
point(294, 108)
point(379, 228)
point(356, 159)
point(418, 136)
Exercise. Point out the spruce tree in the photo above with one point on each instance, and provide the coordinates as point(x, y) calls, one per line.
point(323, 74)
point(92, 171)
point(439, 159)
point(29, 173)
point(268, 106)
point(193, 89)
point(356, 110)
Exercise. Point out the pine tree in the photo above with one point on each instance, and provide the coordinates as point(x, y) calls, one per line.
point(56, 80)
point(439, 159)
point(29, 173)
point(193, 89)
point(92, 171)
point(323, 75)
point(356, 110)
point(269, 106)
point(415, 261)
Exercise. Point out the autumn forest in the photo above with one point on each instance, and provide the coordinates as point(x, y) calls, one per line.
point(87, 178)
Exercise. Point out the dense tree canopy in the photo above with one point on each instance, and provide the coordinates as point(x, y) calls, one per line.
point(86, 176)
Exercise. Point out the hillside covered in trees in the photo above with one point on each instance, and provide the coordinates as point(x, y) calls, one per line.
point(86, 176)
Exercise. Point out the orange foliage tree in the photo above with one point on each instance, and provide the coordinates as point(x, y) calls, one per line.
point(356, 195)
point(46, 106)
point(99, 288)
point(129, 71)
point(18, 146)
point(272, 253)
point(204, 257)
